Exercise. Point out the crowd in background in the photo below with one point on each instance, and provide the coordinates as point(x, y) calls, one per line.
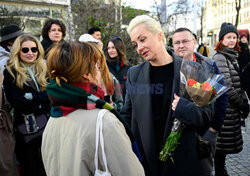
point(53, 92)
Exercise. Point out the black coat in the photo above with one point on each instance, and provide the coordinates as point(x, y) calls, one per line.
point(47, 45)
point(21, 105)
point(120, 75)
point(246, 77)
point(137, 111)
point(244, 55)
point(230, 139)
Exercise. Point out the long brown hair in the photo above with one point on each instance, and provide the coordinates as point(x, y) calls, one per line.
point(70, 61)
point(220, 45)
point(120, 48)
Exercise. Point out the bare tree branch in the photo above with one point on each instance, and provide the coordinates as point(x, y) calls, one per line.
point(237, 7)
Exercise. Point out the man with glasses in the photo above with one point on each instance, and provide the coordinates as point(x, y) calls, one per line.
point(184, 44)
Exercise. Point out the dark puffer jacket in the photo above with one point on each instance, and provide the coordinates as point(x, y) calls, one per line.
point(230, 139)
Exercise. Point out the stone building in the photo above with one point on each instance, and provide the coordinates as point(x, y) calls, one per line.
point(218, 11)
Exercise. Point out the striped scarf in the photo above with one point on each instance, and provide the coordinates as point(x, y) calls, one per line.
point(70, 97)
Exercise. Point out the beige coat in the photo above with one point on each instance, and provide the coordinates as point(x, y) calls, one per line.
point(68, 146)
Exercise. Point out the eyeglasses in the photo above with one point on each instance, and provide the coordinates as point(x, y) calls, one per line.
point(184, 42)
point(26, 50)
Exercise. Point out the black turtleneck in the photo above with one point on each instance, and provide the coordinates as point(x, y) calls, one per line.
point(162, 78)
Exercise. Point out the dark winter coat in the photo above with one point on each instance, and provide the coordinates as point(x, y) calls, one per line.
point(244, 55)
point(246, 77)
point(137, 110)
point(7, 143)
point(47, 45)
point(121, 75)
point(230, 138)
point(21, 105)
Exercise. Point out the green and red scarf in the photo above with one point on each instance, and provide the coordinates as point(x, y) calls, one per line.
point(70, 97)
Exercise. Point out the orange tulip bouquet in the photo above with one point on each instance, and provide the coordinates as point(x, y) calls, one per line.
point(200, 85)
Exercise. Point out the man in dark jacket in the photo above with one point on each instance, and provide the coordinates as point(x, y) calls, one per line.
point(8, 35)
point(184, 44)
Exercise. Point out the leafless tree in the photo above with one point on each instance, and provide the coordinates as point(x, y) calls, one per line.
point(111, 18)
point(237, 7)
point(200, 15)
point(180, 7)
point(174, 10)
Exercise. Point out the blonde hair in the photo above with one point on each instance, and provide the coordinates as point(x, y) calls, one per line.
point(70, 61)
point(151, 24)
point(16, 64)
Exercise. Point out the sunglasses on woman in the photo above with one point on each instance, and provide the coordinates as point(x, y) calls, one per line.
point(26, 50)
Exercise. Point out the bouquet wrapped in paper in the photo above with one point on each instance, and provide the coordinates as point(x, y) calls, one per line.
point(199, 84)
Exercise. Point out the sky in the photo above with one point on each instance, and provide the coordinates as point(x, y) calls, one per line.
point(141, 4)
point(148, 5)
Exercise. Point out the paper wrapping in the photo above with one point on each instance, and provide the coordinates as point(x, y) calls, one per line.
point(200, 97)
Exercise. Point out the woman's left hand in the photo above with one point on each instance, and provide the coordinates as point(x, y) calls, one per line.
point(175, 102)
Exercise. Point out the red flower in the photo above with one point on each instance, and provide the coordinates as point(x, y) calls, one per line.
point(191, 82)
point(206, 86)
point(214, 93)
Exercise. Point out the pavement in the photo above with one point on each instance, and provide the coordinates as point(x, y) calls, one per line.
point(239, 164)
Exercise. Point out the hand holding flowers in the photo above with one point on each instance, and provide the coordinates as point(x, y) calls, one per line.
point(199, 84)
point(175, 102)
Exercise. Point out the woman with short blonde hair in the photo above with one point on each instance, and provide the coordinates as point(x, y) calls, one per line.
point(151, 24)
point(152, 103)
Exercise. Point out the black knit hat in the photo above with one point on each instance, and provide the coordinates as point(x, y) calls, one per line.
point(226, 28)
point(9, 32)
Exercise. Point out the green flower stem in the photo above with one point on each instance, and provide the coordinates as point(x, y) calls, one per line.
point(170, 145)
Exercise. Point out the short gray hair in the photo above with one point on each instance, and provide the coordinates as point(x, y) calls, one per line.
point(151, 24)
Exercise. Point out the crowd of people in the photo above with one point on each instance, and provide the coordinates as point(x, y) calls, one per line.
point(55, 94)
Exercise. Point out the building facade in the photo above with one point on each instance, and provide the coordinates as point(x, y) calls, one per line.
point(31, 14)
point(218, 11)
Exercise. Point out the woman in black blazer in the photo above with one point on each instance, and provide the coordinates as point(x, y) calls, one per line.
point(152, 103)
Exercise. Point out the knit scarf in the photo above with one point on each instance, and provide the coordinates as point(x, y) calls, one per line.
point(70, 97)
point(229, 53)
point(116, 65)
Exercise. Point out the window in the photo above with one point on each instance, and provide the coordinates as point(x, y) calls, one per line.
point(56, 13)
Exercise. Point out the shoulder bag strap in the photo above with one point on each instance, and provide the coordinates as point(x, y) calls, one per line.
point(99, 132)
